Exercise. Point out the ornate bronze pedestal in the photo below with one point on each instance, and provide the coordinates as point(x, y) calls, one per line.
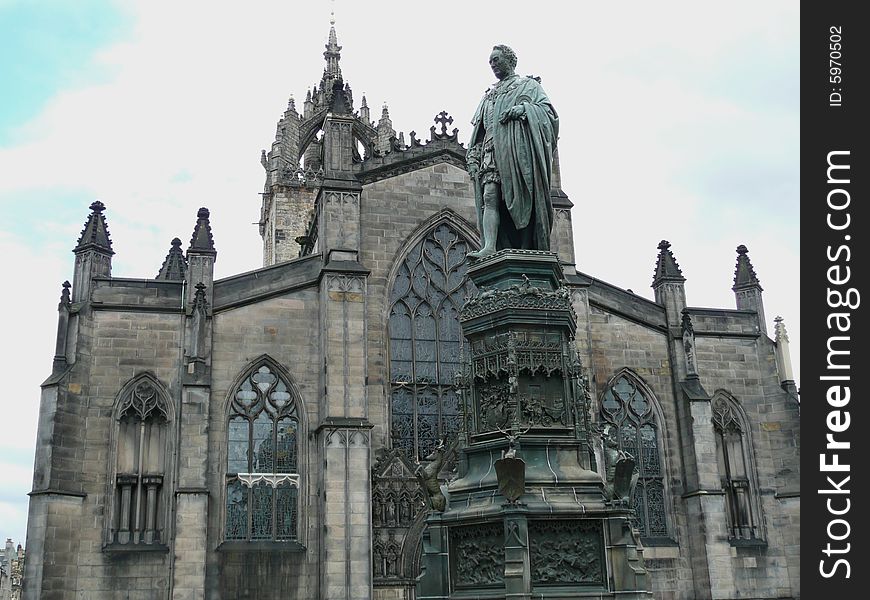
point(527, 515)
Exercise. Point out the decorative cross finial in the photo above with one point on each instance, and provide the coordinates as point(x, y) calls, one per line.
point(444, 119)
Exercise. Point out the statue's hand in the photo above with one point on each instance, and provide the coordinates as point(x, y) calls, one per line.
point(513, 113)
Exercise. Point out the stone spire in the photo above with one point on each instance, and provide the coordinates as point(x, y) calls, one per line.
point(175, 265)
point(333, 52)
point(669, 284)
point(747, 288)
point(364, 114)
point(667, 268)
point(95, 234)
point(385, 131)
point(202, 242)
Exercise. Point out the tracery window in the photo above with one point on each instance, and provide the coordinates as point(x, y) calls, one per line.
point(262, 477)
point(425, 339)
point(141, 435)
point(625, 406)
point(732, 454)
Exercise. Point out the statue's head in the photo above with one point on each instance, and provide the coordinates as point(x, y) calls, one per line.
point(502, 61)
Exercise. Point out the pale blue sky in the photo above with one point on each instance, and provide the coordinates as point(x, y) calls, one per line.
point(679, 121)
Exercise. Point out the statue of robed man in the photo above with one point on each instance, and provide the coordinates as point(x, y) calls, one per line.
point(510, 160)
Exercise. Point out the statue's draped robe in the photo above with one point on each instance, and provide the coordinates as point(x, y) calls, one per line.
point(523, 152)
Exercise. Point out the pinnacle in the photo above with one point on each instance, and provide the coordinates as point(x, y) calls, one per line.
point(174, 265)
point(202, 241)
point(96, 232)
point(744, 273)
point(667, 268)
point(779, 330)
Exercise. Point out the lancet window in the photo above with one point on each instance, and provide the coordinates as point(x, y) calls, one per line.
point(425, 339)
point(626, 406)
point(142, 430)
point(735, 471)
point(262, 477)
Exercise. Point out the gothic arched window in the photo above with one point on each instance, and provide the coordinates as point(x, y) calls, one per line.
point(627, 406)
point(735, 471)
point(262, 459)
point(142, 416)
point(425, 339)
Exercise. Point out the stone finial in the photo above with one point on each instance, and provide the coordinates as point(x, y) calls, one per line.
point(95, 234)
point(744, 274)
point(667, 268)
point(64, 294)
point(202, 241)
point(291, 104)
point(174, 265)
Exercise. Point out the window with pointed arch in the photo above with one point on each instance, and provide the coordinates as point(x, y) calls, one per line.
point(142, 417)
point(429, 288)
point(262, 477)
point(733, 453)
point(627, 405)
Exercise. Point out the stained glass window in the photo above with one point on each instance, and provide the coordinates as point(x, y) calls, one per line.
point(425, 339)
point(732, 455)
point(625, 406)
point(262, 466)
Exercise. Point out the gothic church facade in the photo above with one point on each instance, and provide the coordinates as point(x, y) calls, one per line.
point(257, 436)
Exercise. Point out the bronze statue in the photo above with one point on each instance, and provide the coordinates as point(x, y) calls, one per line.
point(510, 159)
point(621, 474)
point(427, 475)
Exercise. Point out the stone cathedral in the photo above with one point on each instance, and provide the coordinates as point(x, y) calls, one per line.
point(270, 434)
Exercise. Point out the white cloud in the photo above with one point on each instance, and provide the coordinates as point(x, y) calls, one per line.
point(658, 103)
